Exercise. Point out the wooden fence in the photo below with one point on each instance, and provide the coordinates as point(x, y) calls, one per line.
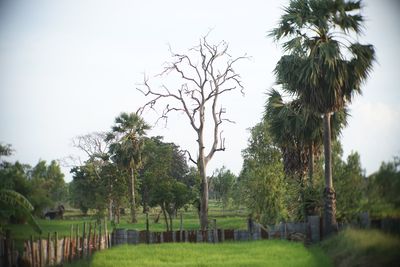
point(83, 242)
point(55, 250)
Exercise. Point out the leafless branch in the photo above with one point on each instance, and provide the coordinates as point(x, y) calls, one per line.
point(94, 144)
point(190, 156)
point(69, 161)
point(206, 71)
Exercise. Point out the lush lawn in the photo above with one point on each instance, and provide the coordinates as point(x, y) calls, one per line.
point(350, 247)
point(363, 248)
point(257, 253)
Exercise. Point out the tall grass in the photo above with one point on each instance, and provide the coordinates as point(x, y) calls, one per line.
point(257, 253)
point(363, 248)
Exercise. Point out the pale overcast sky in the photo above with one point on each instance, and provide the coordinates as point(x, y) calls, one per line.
point(69, 67)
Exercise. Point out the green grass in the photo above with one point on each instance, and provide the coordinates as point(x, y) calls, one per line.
point(363, 248)
point(257, 253)
point(225, 219)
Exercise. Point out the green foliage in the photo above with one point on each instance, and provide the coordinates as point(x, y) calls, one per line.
point(383, 187)
point(20, 203)
point(127, 138)
point(127, 135)
point(349, 186)
point(5, 150)
point(113, 182)
point(26, 190)
point(48, 186)
point(323, 66)
point(258, 253)
point(363, 248)
point(222, 185)
point(298, 131)
point(164, 178)
point(87, 189)
point(262, 186)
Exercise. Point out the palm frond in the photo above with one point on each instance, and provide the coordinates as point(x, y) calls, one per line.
point(14, 198)
point(17, 200)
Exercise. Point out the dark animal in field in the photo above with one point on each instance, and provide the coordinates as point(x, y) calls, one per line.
point(55, 214)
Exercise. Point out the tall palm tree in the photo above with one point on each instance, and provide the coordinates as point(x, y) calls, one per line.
point(324, 66)
point(128, 133)
point(298, 131)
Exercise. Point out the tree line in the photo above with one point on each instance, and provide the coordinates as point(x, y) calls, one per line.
point(27, 190)
point(125, 168)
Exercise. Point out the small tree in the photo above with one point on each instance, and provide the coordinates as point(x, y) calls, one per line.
point(206, 72)
point(222, 184)
point(96, 147)
point(261, 182)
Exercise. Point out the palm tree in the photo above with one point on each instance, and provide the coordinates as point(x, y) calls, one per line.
point(298, 131)
point(19, 202)
point(128, 133)
point(324, 66)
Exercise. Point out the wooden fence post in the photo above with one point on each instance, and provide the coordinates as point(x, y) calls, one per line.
point(89, 250)
point(71, 244)
point(105, 233)
point(40, 251)
point(33, 253)
point(77, 242)
point(55, 248)
point(84, 248)
point(48, 249)
point(7, 245)
point(64, 250)
point(99, 242)
point(181, 228)
point(94, 236)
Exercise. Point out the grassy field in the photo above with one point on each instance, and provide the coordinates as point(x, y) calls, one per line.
point(225, 219)
point(256, 253)
point(367, 248)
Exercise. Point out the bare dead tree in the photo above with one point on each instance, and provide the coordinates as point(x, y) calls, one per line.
point(206, 72)
point(96, 147)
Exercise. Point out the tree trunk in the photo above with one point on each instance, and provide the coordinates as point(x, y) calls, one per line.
point(110, 209)
point(170, 221)
point(110, 202)
point(311, 164)
point(204, 196)
point(201, 165)
point(302, 197)
point(330, 224)
point(132, 196)
point(157, 217)
point(145, 201)
point(117, 214)
point(165, 217)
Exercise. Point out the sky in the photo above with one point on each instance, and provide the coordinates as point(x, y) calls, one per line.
point(69, 67)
